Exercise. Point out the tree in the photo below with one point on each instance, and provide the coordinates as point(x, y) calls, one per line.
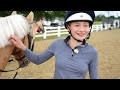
point(100, 17)
point(5, 13)
point(49, 15)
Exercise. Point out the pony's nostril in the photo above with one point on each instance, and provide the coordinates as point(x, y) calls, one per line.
point(38, 30)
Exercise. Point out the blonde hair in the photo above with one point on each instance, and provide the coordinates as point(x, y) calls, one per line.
point(15, 25)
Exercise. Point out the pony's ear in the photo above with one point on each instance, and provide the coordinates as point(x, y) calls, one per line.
point(30, 17)
point(14, 13)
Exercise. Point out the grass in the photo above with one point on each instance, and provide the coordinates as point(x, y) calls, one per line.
point(97, 22)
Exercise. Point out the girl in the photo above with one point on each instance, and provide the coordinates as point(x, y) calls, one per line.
point(74, 56)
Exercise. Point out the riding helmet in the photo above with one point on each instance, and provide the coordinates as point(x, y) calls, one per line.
point(79, 16)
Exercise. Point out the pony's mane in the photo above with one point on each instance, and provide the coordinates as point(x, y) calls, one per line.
point(15, 25)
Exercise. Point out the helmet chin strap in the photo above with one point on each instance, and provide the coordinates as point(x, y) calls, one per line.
point(89, 32)
point(74, 38)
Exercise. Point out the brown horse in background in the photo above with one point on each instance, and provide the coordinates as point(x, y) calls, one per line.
point(10, 50)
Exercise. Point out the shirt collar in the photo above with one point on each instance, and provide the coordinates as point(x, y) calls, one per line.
point(68, 38)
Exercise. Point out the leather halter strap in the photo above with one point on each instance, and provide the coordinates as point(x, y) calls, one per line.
point(37, 26)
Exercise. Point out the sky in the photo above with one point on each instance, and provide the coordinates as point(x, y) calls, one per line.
point(111, 13)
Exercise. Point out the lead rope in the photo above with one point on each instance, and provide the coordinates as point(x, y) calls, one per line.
point(17, 73)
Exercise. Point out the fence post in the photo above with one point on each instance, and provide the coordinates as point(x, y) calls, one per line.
point(44, 35)
point(101, 27)
point(92, 29)
point(97, 27)
point(58, 31)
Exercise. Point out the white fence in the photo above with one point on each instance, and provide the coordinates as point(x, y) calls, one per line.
point(58, 31)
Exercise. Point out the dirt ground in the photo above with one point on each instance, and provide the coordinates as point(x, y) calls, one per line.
point(107, 43)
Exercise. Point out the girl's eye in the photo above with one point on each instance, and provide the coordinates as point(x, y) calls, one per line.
point(77, 25)
point(86, 25)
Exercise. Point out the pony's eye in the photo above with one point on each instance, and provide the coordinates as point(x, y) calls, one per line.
point(30, 28)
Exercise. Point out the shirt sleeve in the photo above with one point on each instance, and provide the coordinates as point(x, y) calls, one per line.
point(93, 66)
point(41, 57)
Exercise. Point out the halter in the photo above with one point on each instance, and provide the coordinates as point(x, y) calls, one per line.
point(37, 26)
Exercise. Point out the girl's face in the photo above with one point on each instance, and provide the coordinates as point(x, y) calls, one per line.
point(79, 30)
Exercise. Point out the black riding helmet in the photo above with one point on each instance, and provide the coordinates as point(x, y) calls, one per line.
point(79, 16)
point(72, 16)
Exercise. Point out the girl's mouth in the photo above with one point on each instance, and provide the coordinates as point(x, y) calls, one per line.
point(80, 34)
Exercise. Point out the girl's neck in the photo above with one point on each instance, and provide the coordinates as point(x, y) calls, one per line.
point(73, 43)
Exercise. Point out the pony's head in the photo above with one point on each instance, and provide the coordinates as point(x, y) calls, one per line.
point(35, 26)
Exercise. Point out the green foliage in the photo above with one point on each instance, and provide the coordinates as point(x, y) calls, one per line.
point(5, 13)
point(100, 17)
point(49, 15)
point(97, 22)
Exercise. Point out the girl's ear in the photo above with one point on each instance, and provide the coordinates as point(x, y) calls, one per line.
point(90, 27)
point(68, 27)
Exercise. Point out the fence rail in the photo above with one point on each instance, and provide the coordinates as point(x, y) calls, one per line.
point(58, 31)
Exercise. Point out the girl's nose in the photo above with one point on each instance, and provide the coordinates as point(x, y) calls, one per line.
point(81, 29)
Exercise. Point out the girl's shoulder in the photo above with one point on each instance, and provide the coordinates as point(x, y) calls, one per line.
point(92, 48)
point(59, 41)
point(58, 44)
